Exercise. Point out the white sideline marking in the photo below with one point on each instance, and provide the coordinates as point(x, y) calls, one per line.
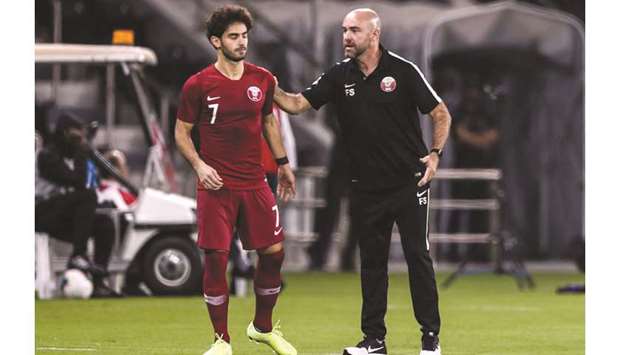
point(52, 348)
point(492, 308)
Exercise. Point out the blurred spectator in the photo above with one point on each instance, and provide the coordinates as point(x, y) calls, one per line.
point(476, 138)
point(65, 201)
point(338, 186)
point(110, 192)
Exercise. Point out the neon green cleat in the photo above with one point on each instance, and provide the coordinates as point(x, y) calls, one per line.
point(220, 347)
point(274, 339)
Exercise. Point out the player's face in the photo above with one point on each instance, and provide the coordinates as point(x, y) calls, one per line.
point(356, 36)
point(234, 42)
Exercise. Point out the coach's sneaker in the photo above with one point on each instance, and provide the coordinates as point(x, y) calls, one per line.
point(274, 339)
point(220, 347)
point(368, 346)
point(430, 344)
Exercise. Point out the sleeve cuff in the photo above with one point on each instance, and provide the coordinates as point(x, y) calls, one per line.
point(315, 105)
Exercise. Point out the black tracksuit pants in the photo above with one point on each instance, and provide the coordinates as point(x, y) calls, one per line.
point(373, 217)
point(71, 217)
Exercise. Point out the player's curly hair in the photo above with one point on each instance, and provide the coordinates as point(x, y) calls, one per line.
point(225, 16)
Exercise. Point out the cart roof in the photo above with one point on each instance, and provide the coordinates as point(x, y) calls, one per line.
point(89, 53)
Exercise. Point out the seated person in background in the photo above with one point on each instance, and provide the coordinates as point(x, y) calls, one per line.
point(66, 200)
point(111, 191)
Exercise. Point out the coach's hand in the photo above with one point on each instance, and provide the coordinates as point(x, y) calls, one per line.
point(286, 182)
point(431, 161)
point(208, 177)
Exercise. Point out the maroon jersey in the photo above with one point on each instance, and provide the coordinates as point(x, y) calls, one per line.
point(229, 114)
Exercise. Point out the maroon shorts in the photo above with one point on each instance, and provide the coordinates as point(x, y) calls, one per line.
point(254, 213)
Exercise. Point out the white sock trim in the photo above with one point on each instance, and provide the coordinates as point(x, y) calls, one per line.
point(267, 291)
point(215, 300)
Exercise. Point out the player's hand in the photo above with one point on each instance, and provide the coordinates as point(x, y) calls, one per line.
point(208, 177)
point(431, 161)
point(286, 182)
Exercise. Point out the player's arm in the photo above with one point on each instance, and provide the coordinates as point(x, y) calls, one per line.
point(207, 176)
point(291, 103)
point(286, 178)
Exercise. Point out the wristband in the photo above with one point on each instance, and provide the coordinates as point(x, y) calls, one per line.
point(282, 161)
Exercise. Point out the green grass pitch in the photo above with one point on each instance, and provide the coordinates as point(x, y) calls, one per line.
point(319, 313)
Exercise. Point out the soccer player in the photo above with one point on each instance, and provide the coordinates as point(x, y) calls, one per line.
point(231, 104)
point(377, 96)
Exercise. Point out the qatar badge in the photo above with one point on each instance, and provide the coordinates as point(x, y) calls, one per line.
point(254, 93)
point(388, 84)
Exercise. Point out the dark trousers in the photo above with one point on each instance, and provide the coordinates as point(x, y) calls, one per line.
point(71, 217)
point(373, 217)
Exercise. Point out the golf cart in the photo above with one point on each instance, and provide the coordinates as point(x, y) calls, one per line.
point(155, 237)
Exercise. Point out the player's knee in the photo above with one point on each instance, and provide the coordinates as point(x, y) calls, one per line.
point(271, 262)
point(215, 269)
point(272, 249)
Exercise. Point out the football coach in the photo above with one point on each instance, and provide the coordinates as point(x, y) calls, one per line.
point(377, 95)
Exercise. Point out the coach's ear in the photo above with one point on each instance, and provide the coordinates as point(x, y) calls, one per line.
point(215, 41)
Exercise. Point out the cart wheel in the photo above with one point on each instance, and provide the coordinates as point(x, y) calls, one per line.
point(172, 266)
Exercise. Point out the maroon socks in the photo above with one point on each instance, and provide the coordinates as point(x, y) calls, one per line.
point(215, 291)
point(267, 284)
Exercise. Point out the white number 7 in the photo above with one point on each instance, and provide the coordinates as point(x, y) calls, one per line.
point(214, 107)
point(275, 208)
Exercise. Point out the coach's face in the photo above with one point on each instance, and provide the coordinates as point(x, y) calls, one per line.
point(357, 34)
point(234, 42)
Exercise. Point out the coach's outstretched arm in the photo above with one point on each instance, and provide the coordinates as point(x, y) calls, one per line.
point(441, 119)
point(207, 176)
point(291, 103)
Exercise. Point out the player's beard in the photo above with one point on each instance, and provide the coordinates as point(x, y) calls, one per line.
point(232, 55)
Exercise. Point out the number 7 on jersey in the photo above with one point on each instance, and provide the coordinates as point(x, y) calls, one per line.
point(214, 114)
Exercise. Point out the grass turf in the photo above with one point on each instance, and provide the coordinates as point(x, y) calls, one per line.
point(481, 314)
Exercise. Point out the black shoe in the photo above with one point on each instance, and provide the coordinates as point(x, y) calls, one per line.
point(82, 263)
point(430, 344)
point(103, 291)
point(368, 346)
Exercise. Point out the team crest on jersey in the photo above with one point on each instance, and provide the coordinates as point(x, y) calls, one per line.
point(388, 84)
point(255, 93)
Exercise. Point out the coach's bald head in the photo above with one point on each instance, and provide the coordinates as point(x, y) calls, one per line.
point(367, 16)
point(361, 31)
